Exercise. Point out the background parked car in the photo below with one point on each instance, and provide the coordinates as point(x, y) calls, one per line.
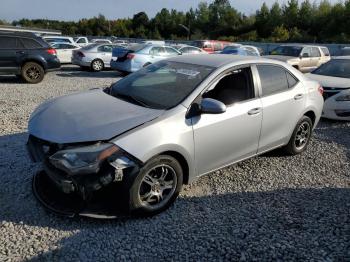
point(65, 51)
point(59, 39)
point(101, 41)
point(138, 56)
point(238, 49)
point(303, 57)
point(27, 56)
point(94, 56)
point(81, 40)
point(185, 50)
point(211, 46)
point(345, 51)
point(334, 76)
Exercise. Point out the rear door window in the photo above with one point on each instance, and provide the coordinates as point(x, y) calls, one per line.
point(273, 79)
point(157, 51)
point(171, 51)
point(30, 43)
point(306, 51)
point(325, 51)
point(315, 52)
point(7, 42)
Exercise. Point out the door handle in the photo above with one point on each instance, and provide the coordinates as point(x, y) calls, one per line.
point(20, 52)
point(254, 111)
point(298, 96)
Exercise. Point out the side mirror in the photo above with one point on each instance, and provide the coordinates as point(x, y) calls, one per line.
point(212, 106)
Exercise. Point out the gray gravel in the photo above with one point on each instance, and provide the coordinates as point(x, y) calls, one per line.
point(267, 208)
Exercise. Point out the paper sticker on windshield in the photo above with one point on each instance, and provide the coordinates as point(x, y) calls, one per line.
point(187, 72)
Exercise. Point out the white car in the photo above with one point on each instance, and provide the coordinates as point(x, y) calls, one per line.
point(101, 41)
point(334, 76)
point(59, 39)
point(81, 41)
point(65, 51)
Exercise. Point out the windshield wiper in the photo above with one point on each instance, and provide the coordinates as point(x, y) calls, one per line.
point(131, 99)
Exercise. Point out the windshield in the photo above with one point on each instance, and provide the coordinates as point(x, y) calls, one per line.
point(335, 68)
point(162, 85)
point(287, 51)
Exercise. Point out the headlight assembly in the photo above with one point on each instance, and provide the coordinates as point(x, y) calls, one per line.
point(83, 160)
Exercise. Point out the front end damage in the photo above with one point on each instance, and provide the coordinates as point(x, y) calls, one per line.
point(82, 179)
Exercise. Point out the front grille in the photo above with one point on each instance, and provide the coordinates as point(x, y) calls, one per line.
point(330, 91)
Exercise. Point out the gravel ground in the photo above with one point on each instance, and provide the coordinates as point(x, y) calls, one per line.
point(267, 208)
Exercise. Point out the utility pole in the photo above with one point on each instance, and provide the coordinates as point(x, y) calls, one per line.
point(188, 29)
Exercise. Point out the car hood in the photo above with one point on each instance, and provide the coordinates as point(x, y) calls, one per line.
point(86, 117)
point(330, 81)
point(281, 57)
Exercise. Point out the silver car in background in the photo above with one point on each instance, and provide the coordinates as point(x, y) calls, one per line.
point(138, 56)
point(94, 56)
point(159, 128)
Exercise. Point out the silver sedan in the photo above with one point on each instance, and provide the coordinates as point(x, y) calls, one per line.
point(94, 56)
point(139, 141)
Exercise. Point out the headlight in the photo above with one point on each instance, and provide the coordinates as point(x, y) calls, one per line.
point(343, 98)
point(83, 160)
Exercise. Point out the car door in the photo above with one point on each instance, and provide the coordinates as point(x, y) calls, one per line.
point(305, 60)
point(222, 139)
point(106, 53)
point(169, 52)
point(283, 101)
point(10, 54)
point(157, 53)
point(316, 57)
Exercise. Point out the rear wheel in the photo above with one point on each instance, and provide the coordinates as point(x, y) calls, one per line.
point(301, 137)
point(32, 72)
point(156, 186)
point(97, 65)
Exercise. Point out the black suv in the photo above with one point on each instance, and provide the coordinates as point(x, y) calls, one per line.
point(26, 56)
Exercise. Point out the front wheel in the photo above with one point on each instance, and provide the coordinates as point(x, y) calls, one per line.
point(300, 138)
point(156, 186)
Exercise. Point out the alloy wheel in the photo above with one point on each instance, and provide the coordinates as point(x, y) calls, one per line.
point(158, 186)
point(33, 73)
point(302, 135)
point(97, 65)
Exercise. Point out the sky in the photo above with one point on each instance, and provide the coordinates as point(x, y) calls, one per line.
point(69, 10)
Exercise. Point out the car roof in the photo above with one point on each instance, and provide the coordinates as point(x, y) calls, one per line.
point(304, 45)
point(219, 60)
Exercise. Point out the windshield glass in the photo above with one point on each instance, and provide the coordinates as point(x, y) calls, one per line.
point(335, 67)
point(287, 51)
point(162, 85)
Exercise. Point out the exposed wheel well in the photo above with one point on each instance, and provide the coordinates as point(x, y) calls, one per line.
point(183, 163)
point(33, 61)
point(312, 116)
point(296, 67)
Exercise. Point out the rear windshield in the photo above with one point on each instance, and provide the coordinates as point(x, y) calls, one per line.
point(161, 85)
point(335, 68)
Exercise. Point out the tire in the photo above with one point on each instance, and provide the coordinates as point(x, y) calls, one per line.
point(300, 138)
point(32, 73)
point(144, 192)
point(97, 65)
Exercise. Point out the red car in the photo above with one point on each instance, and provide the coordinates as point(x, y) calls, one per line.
point(211, 46)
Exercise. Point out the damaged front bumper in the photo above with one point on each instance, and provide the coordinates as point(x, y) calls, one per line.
point(99, 195)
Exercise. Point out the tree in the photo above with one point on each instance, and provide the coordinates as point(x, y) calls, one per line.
point(280, 34)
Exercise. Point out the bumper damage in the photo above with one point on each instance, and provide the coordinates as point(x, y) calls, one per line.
point(97, 195)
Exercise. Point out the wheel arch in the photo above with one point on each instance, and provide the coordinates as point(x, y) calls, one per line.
point(311, 114)
point(183, 162)
point(34, 60)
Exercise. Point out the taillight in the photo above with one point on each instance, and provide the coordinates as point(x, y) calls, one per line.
point(51, 51)
point(81, 54)
point(130, 56)
point(320, 89)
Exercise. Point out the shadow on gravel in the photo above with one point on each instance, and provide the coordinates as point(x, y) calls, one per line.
point(10, 79)
point(290, 224)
